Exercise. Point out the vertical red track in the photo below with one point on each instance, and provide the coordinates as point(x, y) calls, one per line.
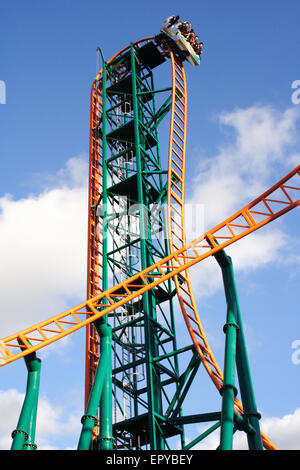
point(94, 255)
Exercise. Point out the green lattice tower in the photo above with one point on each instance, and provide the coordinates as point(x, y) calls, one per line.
point(145, 356)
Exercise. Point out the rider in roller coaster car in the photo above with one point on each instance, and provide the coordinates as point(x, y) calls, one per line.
point(198, 48)
point(189, 35)
point(185, 29)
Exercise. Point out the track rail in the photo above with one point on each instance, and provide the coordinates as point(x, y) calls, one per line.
point(94, 255)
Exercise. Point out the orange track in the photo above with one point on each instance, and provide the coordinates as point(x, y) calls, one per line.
point(176, 222)
point(272, 204)
point(46, 332)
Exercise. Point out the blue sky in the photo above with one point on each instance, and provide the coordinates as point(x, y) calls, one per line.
point(243, 136)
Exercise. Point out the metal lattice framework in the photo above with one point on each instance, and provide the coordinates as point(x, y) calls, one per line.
point(129, 275)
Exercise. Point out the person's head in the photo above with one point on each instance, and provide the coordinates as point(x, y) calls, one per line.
point(196, 37)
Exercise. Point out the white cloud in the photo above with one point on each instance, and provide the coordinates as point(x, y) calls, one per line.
point(43, 249)
point(284, 432)
point(262, 134)
point(260, 152)
point(248, 254)
point(10, 405)
point(262, 145)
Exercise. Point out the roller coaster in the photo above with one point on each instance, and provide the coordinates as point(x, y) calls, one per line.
point(138, 260)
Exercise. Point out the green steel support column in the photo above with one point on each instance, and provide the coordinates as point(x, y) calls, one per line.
point(25, 432)
point(246, 389)
point(228, 389)
point(30, 443)
point(89, 420)
point(242, 362)
point(104, 330)
point(106, 431)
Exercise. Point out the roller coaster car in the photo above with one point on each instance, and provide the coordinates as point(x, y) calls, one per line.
point(186, 50)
